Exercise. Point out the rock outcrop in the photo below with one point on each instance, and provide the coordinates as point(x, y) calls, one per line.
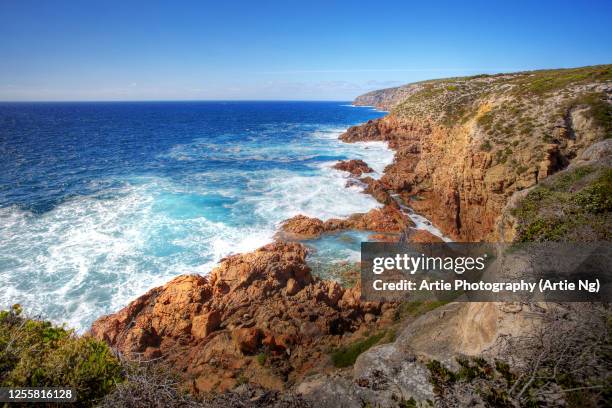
point(259, 316)
point(464, 146)
point(356, 167)
point(390, 373)
point(469, 150)
point(388, 219)
point(421, 236)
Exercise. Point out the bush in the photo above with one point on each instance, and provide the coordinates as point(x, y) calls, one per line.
point(417, 308)
point(346, 356)
point(573, 205)
point(35, 353)
point(261, 359)
point(149, 384)
point(521, 169)
point(563, 362)
point(597, 198)
point(486, 146)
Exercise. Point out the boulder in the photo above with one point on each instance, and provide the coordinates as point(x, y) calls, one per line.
point(356, 167)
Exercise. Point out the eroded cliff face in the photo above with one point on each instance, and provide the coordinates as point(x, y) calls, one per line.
point(465, 146)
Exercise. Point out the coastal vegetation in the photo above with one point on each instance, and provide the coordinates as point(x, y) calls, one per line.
point(346, 355)
point(37, 353)
point(575, 205)
point(530, 109)
point(565, 362)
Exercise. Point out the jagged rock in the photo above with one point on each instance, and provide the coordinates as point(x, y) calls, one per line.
point(378, 190)
point(386, 219)
point(303, 227)
point(247, 339)
point(205, 324)
point(210, 328)
point(356, 167)
point(293, 287)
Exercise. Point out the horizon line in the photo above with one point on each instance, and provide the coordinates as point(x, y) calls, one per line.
point(168, 100)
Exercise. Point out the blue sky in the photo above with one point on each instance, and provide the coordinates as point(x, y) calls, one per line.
point(148, 50)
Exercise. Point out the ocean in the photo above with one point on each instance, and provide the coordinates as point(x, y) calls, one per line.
point(100, 202)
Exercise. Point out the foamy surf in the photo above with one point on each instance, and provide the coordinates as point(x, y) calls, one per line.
point(91, 254)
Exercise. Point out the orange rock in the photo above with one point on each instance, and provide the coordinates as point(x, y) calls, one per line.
point(378, 190)
point(462, 189)
point(422, 236)
point(203, 325)
point(356, 167)
point(292, 287)
point(303, 227)
point(247, 339)
point(386, 219)
point(384, 237)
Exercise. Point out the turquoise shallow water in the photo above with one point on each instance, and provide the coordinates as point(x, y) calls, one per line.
point(99, 202)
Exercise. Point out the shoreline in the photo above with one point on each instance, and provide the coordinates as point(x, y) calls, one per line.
point(277, 228)
point(134, 216)
point(268, 299)
point(268, 302)
point(384, 196)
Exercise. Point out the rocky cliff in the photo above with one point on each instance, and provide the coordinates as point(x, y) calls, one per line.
point(469, 155)
point(466, 145)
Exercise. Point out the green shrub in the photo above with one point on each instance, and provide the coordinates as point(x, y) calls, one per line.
point(417, 308)
point(486, 146)
point(597, 198)
point(346, 356)
point(261, 359)
point(545, 81)
point(35, 353)
point(573, 205)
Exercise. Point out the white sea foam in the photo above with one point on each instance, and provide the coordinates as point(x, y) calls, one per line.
point(91, 255)
point(421, 222)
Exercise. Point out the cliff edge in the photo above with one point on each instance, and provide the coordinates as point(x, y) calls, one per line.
point(466, 145)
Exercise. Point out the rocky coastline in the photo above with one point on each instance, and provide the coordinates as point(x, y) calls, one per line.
point(262, 316)
point(465, 158)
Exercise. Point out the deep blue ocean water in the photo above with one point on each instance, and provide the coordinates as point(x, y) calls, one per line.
point(100, 202)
